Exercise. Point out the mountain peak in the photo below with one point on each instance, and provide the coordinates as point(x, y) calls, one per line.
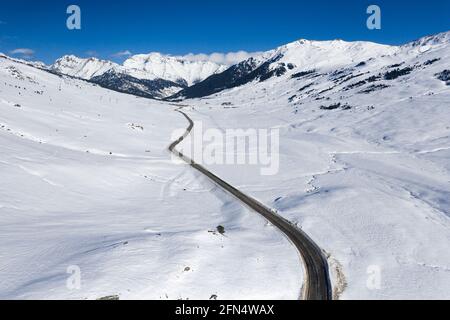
point(142, 66)
point(82, 68)
point(173, 68)
point(432, 40)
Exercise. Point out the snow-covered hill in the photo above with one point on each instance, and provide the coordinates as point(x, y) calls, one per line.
point(364, 155)
point(123, 82)
point(82, 68)
point(88, 189)
point(143, 66)
point(317, 57)
point(154, 69)
point(172, 68)
point(87, 180)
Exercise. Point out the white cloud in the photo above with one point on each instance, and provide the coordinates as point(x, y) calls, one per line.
point(229, 58)
point(25, 52)
point(2, 22)
point(120, 54)
point(91, 53)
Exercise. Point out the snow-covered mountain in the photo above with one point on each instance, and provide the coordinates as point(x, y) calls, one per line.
point(37, 64)
point(323, 57)
point(125, 83)
point(82, 68)
point(295, 56)
point(364, 153)
point(143, 66)
point(174, 73)
point(364, 143)
point(90, 168)
point(172, 68)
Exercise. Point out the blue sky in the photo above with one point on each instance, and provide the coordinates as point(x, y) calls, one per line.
point(197, 26)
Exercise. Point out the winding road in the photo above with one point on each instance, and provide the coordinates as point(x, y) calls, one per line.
point(317, 284)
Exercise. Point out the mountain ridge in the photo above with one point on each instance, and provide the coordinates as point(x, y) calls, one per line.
point(142, 66)
point(305, 55)
point(178, 78)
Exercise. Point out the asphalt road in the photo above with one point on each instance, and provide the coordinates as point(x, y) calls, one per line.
point(317, 284)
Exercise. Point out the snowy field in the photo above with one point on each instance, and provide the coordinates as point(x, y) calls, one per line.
point(87, 181)
point(371, 185)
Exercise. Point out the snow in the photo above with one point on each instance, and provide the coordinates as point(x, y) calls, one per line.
point(82, 68)
point(333, 54)
point(173, 68)
point(371, 185)
point(144, 66)
point(83, 185)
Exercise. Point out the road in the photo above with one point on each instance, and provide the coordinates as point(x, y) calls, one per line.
point(317, 284)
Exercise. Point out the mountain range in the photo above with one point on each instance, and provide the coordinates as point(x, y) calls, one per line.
point(149, 75)
point(359, 133)
point(161, 76)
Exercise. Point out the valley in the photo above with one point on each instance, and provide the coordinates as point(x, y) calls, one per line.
point(88, 179)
